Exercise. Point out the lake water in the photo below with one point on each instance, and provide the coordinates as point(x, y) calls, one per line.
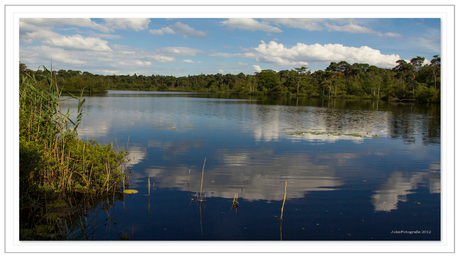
point(355, 170)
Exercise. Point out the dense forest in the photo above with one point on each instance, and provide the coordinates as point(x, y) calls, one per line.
point(406, 81)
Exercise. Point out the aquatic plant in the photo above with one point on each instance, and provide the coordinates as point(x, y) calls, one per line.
point(130, 191)
point(331, 133)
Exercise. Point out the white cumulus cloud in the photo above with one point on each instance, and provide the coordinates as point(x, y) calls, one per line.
point(76, 41)
point(301, 54)
point(162, 59)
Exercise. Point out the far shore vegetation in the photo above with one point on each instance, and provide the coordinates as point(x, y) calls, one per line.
point(416, 80)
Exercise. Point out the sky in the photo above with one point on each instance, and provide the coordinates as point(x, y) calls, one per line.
point(193, 46)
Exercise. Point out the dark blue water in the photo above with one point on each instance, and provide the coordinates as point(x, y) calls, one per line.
point(339, 187)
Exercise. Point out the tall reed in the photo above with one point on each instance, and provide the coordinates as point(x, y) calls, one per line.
point(202, 176)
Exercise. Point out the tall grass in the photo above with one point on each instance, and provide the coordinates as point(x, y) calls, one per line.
point(55, 165)
point(52, 157)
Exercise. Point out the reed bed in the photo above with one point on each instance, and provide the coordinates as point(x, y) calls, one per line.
point(52, 157)
point(55, 165)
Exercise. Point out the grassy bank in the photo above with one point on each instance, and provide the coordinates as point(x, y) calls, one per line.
point(54, 162)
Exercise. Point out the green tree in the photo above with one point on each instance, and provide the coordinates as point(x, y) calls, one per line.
point(267, 80)
point(436, 66)
point(300, 73)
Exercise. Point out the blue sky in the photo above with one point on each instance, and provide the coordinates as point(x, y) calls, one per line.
point(195, 46)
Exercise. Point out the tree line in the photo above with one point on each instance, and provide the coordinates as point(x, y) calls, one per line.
point(412, 80)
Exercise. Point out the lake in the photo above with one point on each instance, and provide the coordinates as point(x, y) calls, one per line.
point(354, 169)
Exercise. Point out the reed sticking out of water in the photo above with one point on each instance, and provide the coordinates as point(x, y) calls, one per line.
point(149, 185)
point(235, 202)
point(202, 176)
point(281, 230)
point(284, 200)
point(188, 180)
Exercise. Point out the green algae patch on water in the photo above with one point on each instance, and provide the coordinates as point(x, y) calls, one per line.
point(356, 135)
point(332, 133)
point(130, 191)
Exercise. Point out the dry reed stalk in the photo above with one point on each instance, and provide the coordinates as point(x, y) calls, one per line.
point(69, 181)
point(235, 201)
point(39, 119)
point(67, 168)
point(284, 200)
point(63, 149)
point(91, 171)
point(108, 176)
point(83, 164)
point(107, 179)
point(188, 180)
point(202, 176)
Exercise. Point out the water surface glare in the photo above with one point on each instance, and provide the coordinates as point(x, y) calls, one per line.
point(355, 170)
